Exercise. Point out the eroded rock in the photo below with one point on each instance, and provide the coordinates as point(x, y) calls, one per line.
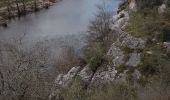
point(86, 74)
point(116, 55)
point(119, 20)
point(161, 9)
point(133, 6)
point(65, 80)
point(134, 60)
point(104, 75)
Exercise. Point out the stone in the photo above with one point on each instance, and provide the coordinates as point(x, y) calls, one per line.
point(161, 9)
point(134, 59)
point(118, 21)
point(116, 55)
point(167, 46)
point(103, 75)
point(133, 6)
point(65, 80)
point(86, 74)
point(149, 52)
point(136, 75)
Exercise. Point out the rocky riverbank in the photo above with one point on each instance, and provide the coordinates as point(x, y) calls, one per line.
point(126, 55)
point(108, 72)
point(12, 10)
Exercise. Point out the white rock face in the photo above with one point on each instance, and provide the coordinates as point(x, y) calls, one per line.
point(136, 75)
point(132, 42)
point(126, 40)
point(119, 20)
point(116, 54)
point(86, 74)
point(65, 80)
point(167, 46)
point(161, 9)
point(104, 75)
point(133, 6)
point(134, 59)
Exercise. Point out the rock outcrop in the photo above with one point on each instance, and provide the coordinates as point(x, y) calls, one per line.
point(65, 80)
point(134, 59)
point(161, 9)
point(133, 6)
point(107, 73)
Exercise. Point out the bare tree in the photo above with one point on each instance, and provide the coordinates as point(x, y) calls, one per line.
point(21, 74)
point(18, 8)
point(100, 26)
point(24, 6)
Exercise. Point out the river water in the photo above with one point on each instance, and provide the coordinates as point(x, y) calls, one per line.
point(67, 19)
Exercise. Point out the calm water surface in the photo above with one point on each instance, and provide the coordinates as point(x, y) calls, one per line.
point(67, 19)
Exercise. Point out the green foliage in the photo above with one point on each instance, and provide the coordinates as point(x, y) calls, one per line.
point(75, 91)
point(166, 33)
point(141, 25)
point(168, 3)
point(151, 63)
point(95, 62)
point(148, 3)
point(135, 24)
point(116, 91)
point(99, 39)
point(94, 55)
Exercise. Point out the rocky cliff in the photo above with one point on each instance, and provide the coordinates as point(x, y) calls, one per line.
point(124, 53)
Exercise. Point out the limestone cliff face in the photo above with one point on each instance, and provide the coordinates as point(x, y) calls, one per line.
point(107, 73)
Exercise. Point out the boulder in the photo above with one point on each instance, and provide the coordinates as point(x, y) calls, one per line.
point(134, 59)
point(116, 55)
point(167, 46)
point(65, 80)
point(86, 74)
point(133, 6)
point(161, 9)
point(104, 75)
point(119, 20)
point(126, 40)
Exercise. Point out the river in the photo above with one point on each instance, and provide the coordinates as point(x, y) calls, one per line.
point(63, 21)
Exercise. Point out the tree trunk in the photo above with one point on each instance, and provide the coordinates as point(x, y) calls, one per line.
point(8, 8)
point(24, 6)
point(18, 9)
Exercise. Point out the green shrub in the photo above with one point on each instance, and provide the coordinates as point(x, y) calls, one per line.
point(95, 62)
point(148, 3)
point(152, 63)
point(168, 3)
point(116, 91)
point(166, 34)
point(94, 55)
point(75, 91)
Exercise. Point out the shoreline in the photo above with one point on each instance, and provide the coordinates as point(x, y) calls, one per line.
point(5, 17)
